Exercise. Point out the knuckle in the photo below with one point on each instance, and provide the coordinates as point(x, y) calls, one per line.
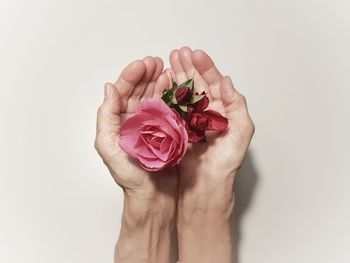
point(97, 144)
point(252, 127)
point(102, 144)
point(242, 99)
point(100, 110)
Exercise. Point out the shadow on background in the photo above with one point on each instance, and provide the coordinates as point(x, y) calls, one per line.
point(244, 188)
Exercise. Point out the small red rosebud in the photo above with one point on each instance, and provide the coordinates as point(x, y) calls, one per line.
point(198, 122)
point(183, 95)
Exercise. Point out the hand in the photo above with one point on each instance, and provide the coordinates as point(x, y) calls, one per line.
point(150, 198)
point(207, 171)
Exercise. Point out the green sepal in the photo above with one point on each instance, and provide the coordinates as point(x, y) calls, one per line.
point(188, 83)
point(183, 107)
point(196, 98)
point(166, 97)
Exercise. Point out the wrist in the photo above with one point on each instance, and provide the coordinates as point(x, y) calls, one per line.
point(212, 198)
point(144, 205)
point(205, 214)
point(147, 227)
point(204, 235)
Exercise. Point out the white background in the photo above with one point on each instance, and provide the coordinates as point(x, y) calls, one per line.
point(291, 59)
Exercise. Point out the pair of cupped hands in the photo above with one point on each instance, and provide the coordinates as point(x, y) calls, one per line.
point(203, 179)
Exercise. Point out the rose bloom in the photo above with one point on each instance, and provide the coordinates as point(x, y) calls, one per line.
point(155, 135)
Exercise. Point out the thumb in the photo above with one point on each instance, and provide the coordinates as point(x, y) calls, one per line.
point(108, 115)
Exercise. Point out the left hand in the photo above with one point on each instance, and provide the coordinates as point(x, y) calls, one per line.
point(150, 197)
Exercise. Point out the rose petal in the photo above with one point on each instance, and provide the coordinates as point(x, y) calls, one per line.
point(217, 122)
point(195, 136)
point(142, 148)
point(171, 120)
point(154, 150)
point(159, 134)
point(155, 141)
point(173, 153)
point(153, 106)
point(148, 129)
point(151, 164)
point(164, 146)
point(128, 133)
point(164, 126)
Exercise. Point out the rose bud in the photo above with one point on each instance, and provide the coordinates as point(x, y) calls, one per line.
point(198, 122)
point(183, 95)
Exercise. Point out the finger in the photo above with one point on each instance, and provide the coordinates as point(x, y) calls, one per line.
point(236, 108)
point(128, 79)
point(205, 66)
point(171, 76)
point(177, 67)
point(161, 85)
point(149, 90)
point(108, 116)
point(137, 92)
point(191, 72)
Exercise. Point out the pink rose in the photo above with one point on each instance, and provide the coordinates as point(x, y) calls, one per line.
point(155, 135)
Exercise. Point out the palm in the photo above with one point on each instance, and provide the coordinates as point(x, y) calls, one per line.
point(138, 81)
point(223, 151)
